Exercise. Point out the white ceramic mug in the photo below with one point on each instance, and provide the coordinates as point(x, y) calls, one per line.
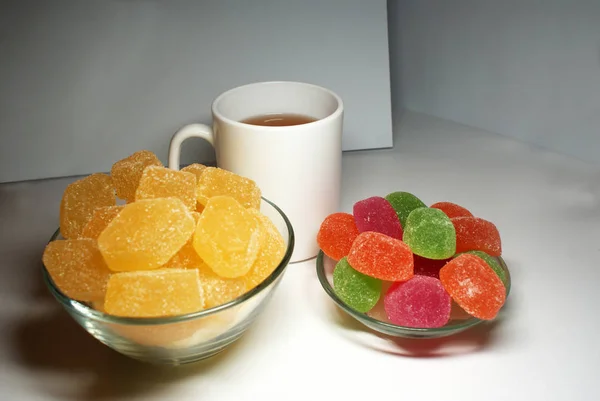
point(297, 167)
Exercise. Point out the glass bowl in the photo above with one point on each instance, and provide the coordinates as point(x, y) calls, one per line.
point(377, 320)
point(186, 338)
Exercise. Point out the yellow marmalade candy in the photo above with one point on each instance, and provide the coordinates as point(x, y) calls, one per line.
point(162, 182)
point(126, 173)
point(215, 182)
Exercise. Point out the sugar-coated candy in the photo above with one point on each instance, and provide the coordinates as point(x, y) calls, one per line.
point(270, 254)
point(219, 290)
point(146, 234)
point(476, 234)
point(216, 181)
point(79, 201)
point(196, 168)
point(77, 268)
point(126, 173)
point(452, 210)
point(421, 302)
point(357, 290)
point(100, 219)
point(493, 263)
point(428, 267)
point(155, 293)
point(430, 233)
point(404, 203)
point(377, 214)
point(227, 237)
point(336, 235)
point(474, 286)
point(186, 257)
point(162, 182)
point(380, 256)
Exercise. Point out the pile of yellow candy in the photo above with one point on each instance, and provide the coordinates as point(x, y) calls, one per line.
point(182, 242)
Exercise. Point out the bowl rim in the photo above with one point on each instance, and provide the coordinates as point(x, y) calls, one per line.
point(88, 311)
point(363, 317)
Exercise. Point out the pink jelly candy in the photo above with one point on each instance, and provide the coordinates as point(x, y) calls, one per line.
point(421, 302)
point(377, 214)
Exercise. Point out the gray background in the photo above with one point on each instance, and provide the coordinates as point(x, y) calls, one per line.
point(87, 82)
point(524, 68)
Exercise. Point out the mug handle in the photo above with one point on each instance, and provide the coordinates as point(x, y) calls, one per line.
point(189, 131)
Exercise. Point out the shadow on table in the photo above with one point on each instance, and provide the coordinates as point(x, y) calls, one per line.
point(52, 342)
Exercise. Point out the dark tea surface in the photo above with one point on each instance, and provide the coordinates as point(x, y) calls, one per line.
point(279, 120)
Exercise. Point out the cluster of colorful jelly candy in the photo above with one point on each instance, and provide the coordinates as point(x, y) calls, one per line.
point(182, 241)
point(414, 260)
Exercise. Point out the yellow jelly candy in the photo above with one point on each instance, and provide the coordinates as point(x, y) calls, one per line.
point(79, 201)
point(126, 173)
point(100, 219)
point(215, 181)
point(156, 293)
point(197, 169)
point(162, 182)
point(146, 234)
point(187, 257)
point(271, 252)
point(218, 290)
point(227, 237)
point(77, 268)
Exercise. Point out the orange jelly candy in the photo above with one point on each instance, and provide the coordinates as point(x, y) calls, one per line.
point(380, 256)
point(196, 168)
point(476, 234)
point(218, 290)
point(474, 286)
point(77, 268)
point(146, 234)
point(155, 293)
point(187, 257)
point(100, 219)
point(216, 181)
point(452, 209)
point(162, 182)
point(272, 249)
point(336, 235)
point(126, 173)
point(79, 201)
point(227, 237)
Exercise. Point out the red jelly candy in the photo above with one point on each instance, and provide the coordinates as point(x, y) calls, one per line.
point(474, 286)
point(377, 214)
point(475, 234)
point(420, 302)
point(452, 210)
point(429, 267)
point(336, 235)
point(380, 256)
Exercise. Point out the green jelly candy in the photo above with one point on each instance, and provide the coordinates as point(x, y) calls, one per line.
point(404, 203)
point(358, 291)
point(430, 233)
point(493, 263)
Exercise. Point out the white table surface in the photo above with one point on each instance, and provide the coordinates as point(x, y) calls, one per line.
point(544, 347)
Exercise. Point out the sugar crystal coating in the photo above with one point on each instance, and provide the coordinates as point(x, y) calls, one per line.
point(155, 293)
point(227, 237)
point(270, 254)
point(358, 291)
point(474, 286)
point(452, 210)
point(421, 302)
point(430, 233)
point(219, 290)
point(217, 182)
point(146, 234)
point(126, 173)
point(404, 203)
point(336, 235)
point(77, 268)
point(100, 219)
point(382, 257)
point(377, 214)
point(162, 182)
point(493, 263)
point(476, 234)
point(196, 168)
point(186, 257)
point(79, 201)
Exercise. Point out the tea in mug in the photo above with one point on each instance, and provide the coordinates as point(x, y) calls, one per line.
point(279, 120)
